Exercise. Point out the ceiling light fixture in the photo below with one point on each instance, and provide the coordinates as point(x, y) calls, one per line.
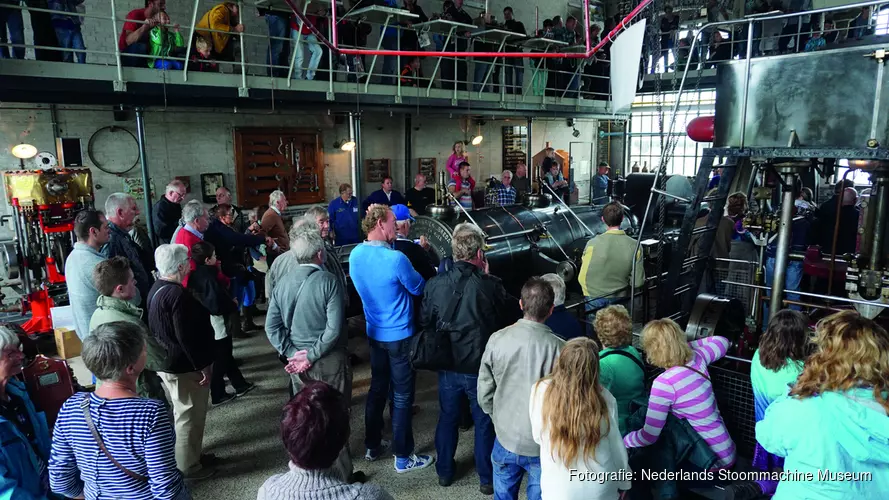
point(477, 140)
point(348, 146)
point(24, 152)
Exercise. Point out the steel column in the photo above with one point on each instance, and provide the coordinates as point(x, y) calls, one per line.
point(781, 254)
point(746, 82)
point(146, 189)
point(408, 151)
point(880, 192)
point(530, 154)
point(358, 180)
point(119, 82)
point(189, 43)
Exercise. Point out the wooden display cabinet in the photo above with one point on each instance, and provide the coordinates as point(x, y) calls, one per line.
point(289, 159)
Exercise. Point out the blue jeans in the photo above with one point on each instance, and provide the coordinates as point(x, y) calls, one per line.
point(452, 387)
point(508, 471)
point(135, 62)
point(12, 19)
point(390, 63)
point(71, 39)
point(517, 65)
point(390, 363)
point(309, 42)
point(167, 64)
point(481, 71)
point(792, 280)
point(278, 26)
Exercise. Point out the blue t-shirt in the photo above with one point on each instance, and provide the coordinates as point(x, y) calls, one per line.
point(386, 282)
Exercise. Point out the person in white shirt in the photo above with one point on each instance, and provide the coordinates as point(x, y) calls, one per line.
point(574, 420)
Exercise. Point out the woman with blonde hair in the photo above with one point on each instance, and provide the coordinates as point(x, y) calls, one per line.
point(574, 420)
point(835, 420)
point(621, 369)
point(683, 389)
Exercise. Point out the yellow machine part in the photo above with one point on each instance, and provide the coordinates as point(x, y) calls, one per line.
point(48, 187)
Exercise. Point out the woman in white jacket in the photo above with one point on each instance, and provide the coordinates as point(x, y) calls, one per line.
point(574, 420)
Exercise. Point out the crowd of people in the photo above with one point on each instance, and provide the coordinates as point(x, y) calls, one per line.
point(547, 399)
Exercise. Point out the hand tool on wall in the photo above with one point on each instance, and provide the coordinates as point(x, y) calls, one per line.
point(317, 187)
point(281, 149)
point(261, 153)
point(258, 165)
point(276, 177)
point(293, 154)
point(295, 160)
point(255, 192)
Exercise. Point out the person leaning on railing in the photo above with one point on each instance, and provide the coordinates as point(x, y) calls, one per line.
point(223, 20)
point(134, 36)
point(165, 42)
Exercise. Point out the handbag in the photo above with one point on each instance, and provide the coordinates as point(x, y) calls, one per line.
point(85, 405)
point(431, 348)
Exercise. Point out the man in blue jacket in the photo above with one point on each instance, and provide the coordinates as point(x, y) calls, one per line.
point(387, 282)
point(385, 196)
point(343, 212)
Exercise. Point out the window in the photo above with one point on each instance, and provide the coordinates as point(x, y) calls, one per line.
point(881, 22)
point(859, 177)
point(645, 140)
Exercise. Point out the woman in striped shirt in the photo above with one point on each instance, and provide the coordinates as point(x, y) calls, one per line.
point(683, 388)
point(137, 461)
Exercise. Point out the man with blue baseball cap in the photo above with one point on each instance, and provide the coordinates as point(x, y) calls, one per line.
point(416, 251)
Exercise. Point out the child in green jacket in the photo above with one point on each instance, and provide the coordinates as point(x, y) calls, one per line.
point(165, 43)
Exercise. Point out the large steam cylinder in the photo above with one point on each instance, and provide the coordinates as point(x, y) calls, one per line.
point(523, 241)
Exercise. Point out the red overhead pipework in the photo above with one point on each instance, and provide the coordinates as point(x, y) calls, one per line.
point(418, 53)
point(701, 129)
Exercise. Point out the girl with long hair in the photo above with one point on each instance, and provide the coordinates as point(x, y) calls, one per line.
point(458, 156)
point(835, 419)
point(574, 420)
point(774, 369)
point(683, 389)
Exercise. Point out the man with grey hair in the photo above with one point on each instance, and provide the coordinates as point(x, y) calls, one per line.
point(273, 224)
point(313, 341)
point(561, 321)
point(503, 193)
point(224, 197)
point(483, 307)
point(167, 211)
point(332, 264)
point(121, 211)
point(286, 262)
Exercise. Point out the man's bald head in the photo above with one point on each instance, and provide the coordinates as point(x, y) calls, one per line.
point(223, 196)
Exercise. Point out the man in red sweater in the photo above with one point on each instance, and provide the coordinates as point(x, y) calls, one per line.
point(134, 35)
point(196, 223)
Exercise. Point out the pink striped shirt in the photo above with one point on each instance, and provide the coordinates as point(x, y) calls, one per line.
point(689, 396)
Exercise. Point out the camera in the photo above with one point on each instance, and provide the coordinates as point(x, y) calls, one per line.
point(493, 182)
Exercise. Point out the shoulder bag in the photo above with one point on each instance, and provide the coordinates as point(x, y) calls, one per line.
point(85, 405)
point(625, 354)
point(431, 348)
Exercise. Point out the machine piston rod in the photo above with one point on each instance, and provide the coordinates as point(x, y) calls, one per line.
point(787, 209)
point(813, 295)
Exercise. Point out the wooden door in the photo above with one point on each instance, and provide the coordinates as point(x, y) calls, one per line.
point(289, 159)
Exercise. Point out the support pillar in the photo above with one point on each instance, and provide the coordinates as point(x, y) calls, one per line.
point(358, 187)
point(408, 151)
point(782, 253)
point(143, 163)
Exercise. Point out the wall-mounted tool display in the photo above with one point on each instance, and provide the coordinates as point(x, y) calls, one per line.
point(289, 159)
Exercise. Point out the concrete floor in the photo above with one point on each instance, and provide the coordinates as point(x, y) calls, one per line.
point(244, 433)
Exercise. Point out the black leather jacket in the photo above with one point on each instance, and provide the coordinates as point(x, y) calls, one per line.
point(484, 308)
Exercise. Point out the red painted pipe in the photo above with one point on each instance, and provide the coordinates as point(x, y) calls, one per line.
point(701, 129)
point(412, 53)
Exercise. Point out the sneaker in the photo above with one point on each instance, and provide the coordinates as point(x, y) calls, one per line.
point(245, 390)
point(486, 489)
point(372, 454)
point(412, 463)
point(444, 481)
point(744, 490)
point(224, 399)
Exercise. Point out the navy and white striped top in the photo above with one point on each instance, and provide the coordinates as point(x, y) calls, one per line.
point(138, 434)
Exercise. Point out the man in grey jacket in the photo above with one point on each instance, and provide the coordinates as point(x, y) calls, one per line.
point(91, 229)
point(515, 358)
point(313, 340)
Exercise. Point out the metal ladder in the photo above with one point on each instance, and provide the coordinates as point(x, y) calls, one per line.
point(679, 288)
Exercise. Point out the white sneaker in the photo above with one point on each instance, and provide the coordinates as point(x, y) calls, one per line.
point(414, 462)
point(372, 455)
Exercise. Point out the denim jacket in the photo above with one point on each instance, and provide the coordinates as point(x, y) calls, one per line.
point(19, 465)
